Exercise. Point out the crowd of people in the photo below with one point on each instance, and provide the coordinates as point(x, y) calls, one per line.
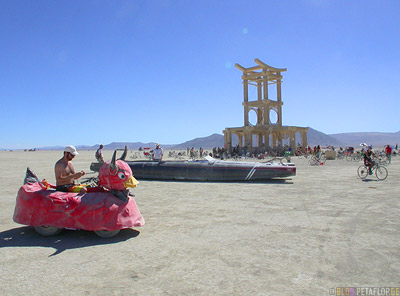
point(157, 153)
point(282, 151)
point(66, 176)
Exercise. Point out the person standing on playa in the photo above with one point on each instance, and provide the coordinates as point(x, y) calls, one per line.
point(388, 151)
point(158, 153)
point(99, 154)
point(65, 172)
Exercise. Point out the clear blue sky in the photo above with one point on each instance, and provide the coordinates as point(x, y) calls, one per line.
point(88, 72)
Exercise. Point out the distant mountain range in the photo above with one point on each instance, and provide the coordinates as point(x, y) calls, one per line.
point(215, 140)
point(377, 139)
point(352, 139)
point(314, 137)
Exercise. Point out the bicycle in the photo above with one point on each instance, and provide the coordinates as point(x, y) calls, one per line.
point(357, 156)
point(303, 154)
point(317, 159)
point(381, 172)
point(383, 160)
point(340, 155)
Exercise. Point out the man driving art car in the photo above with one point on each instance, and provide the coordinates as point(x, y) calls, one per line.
point(65, 172)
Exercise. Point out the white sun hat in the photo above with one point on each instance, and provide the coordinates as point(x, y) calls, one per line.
point(71, 149)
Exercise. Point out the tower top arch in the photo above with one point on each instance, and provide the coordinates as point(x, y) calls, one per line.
point(261, 66)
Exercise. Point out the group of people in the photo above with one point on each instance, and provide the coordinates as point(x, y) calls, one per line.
point(65, 172)
point(218, 152)
point(192, 153)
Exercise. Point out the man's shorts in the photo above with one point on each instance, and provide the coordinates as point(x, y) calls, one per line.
point(70, 188)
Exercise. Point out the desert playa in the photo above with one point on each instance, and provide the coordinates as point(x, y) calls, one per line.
point(320, 230)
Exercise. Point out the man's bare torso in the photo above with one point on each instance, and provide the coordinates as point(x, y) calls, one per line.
point(62, 170)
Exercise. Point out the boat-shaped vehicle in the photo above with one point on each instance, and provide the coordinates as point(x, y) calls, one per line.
point(209, 169)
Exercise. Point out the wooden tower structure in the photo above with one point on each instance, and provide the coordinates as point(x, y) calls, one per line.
point(265, 132)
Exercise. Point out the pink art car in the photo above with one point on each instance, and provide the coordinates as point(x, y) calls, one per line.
point(105, 210)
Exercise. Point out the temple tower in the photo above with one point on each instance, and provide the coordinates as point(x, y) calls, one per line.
point(266, 108)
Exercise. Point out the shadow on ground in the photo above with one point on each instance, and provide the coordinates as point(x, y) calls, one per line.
point(66, 240)
point(371, 180)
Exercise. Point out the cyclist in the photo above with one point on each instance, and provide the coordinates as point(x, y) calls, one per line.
point(368, 162)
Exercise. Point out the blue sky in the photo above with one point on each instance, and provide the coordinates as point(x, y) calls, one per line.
point(89, 72)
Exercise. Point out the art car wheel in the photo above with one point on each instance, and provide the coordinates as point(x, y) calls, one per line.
point(362, 172)
point(47, 230)
point(106, 233)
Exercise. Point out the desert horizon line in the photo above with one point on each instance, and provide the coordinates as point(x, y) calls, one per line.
point(172, 145)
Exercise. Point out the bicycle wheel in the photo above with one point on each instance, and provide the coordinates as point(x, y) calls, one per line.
point(385, 160)
point(381, 172)
point(313, 161)
point(362, 172)
point(349, 157)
